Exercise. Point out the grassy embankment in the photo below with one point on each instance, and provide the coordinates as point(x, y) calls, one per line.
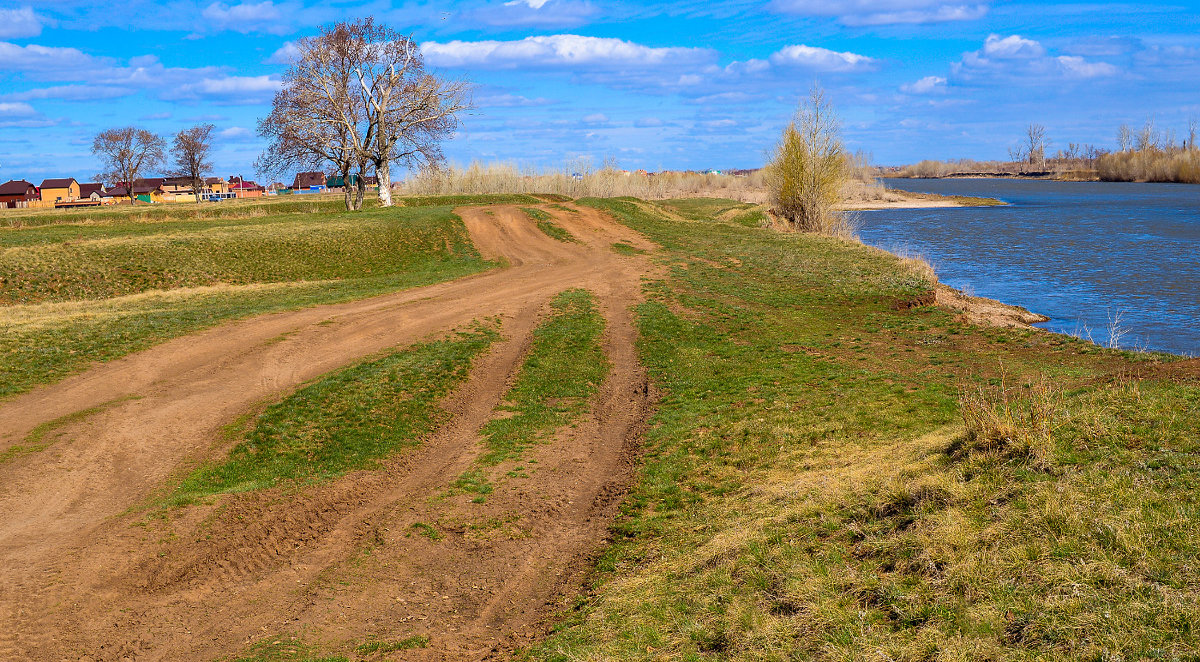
point(348, 420)
point(830, 476)
point(546, 224)
point(97, 285)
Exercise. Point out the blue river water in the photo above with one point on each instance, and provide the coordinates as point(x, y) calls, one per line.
point(1093, 256)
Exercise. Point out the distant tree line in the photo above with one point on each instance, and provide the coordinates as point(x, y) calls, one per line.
point(1144, 154)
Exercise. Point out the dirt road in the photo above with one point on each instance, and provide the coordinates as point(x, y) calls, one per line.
point(83, 578)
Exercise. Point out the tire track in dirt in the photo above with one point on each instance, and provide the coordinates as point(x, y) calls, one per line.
point(81, 582)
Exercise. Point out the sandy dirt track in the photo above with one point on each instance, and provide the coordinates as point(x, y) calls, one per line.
point(83, 578)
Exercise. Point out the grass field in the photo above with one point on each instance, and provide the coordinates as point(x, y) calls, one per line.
point(94, 290)
point(831, 478)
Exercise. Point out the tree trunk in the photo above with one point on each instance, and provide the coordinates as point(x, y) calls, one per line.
point(360, 189)
point(384, 173)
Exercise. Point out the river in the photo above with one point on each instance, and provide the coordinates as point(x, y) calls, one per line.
point(1093, 256)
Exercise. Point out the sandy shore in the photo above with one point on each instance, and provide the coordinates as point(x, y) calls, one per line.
point(905, 200)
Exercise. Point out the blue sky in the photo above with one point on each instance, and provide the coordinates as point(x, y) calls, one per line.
point(685, 84)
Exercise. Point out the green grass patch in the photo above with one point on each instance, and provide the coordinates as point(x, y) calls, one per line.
point(287, 649)
point(469, 200)
point(427, 530)
point(43, 436)
point(830, 478)
point(702, 209)
point(242, 267)
point(547, 225)
point(380, 647)
point(622, 248)
point(345, 421)
point(565, 366)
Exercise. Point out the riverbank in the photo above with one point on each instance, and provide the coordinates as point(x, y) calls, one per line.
point(831, 471)
point(1111, 261)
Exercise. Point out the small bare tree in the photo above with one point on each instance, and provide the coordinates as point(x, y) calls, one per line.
point(125, 154)
point(808, 169)
point(1124, 138)
point(190, 152)
point(410, 111)
point(1147, 138)
point(1192, 128)
point(1036, 145)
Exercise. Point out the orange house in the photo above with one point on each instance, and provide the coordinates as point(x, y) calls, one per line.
point(60, 190)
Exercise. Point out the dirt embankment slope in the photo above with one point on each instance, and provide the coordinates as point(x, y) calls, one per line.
point(83, 577)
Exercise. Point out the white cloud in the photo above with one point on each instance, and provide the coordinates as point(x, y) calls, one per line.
point(1077, 67)
point(19, 23)
point(926, 85)
point(884, 12)
point(820, 59)
point(227, 90)
point(1016, 56)
point(285, 54)
point(16, 109)
point(74, 92)
point(596, 118)
point(534, 13)
point(510, 101)
point(1011, 47)
point(562, 50)
point(51, 59)
point(247, 17)
point(235, 133)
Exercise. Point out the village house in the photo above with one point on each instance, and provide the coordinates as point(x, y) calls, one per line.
point(308, 182)
point(246, 189)
point(18, 193)
point(178, 189)
point(60, 190)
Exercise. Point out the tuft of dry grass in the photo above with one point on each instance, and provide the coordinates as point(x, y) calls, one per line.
point(1012, 422)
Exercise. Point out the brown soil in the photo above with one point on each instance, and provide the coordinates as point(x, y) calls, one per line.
point(987, 312)
point(85, 576)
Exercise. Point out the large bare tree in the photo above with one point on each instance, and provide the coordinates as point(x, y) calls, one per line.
point(125, 154)
point(190, 152)
point(410, 110)
point(318, 118)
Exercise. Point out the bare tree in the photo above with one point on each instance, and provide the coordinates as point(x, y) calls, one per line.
point(125, 154)
point(808, 169)
point(1124, 138)
point(1147, 137)
point(190, 152)
point(1191, 134)
point(318, 116)
point(410, 110)
point(1036, 145)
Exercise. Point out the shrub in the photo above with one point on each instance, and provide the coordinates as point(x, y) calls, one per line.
point(809, 169)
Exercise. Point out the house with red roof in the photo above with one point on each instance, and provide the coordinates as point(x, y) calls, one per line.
point(18, 193)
